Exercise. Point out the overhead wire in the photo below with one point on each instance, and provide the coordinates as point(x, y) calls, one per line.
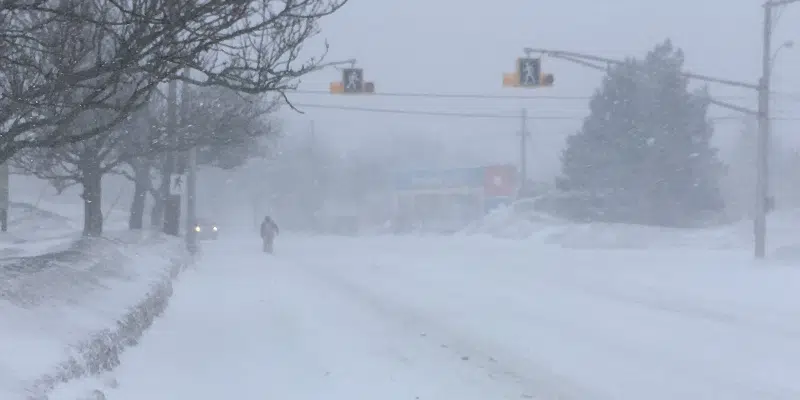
point(479, 96)
point(477, 114)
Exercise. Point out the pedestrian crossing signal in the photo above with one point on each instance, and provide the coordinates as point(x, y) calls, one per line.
point(352, 82)
point(528, 74)
point(511, 79)
point(529, 71)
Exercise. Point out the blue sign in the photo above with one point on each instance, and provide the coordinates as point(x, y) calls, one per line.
point(440, 179)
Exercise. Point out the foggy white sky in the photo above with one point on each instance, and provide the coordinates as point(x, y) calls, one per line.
point(458, 46)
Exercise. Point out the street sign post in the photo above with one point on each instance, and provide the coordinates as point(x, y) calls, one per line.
point(4, 196)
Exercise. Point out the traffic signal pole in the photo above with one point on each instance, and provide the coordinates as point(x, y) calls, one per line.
point(191, 174)
point(523, 149)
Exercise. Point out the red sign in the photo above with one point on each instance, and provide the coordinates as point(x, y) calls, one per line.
point(500, 180)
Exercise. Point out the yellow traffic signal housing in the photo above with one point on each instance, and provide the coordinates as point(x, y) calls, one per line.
point(511, 79)
point(533, 76)
point(352, 83)
point(337, 87)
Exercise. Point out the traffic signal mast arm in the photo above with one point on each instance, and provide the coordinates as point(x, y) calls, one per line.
point(588, 59)
point(777, 3)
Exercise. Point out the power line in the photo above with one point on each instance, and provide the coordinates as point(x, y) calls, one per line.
point(791, 96)
point(421, 112)
point(453, 95)
point(480, 115)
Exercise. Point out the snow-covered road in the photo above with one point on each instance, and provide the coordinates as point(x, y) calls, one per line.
point(469, 318)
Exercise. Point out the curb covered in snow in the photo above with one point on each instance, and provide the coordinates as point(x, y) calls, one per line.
point(110, 290)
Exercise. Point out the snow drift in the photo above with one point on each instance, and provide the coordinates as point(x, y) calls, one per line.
point(505, 223)
point(33, 230)
point(69, 314)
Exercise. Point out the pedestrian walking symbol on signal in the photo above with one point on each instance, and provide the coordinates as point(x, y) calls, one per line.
point(352, 82)
point(529, 68)
point(528, 74)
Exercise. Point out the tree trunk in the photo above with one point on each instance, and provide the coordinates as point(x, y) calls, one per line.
point(157, 213)
point(160, 195)
point(92, 198)
point(142, 183)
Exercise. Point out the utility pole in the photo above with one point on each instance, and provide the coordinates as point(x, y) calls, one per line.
point(314, 196)
point(172, 198)
point(191, 201)
point(191, 176)
point(178, 179)
point(762, 157)
point(523, 150)
point(5, 201)
point(764, 201)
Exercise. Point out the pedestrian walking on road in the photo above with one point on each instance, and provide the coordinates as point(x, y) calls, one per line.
point(269, 230)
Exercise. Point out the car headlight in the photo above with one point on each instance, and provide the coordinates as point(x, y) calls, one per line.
point(197, 229)
point(214, 229)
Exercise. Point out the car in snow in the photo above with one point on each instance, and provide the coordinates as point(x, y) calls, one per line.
point(206, 230)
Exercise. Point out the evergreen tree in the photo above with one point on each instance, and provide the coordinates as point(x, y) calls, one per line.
point(643, 154)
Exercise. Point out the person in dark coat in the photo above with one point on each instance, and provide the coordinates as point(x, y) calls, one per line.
point(269, 229)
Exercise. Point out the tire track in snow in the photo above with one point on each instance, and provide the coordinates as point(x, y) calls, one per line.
point(542, 384)
point(666, 304)
point(546, 384)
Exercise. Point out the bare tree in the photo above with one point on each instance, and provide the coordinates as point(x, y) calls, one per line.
point(223, 123)
point(226, 127)
point(50, 57)
point(82, 163)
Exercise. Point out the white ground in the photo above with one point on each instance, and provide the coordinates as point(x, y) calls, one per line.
point(468, 318)
point(49, 308)
point(44, 312)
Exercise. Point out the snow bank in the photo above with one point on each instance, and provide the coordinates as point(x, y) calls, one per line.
point(33, 231)
point(504, 223)
point(70, 314)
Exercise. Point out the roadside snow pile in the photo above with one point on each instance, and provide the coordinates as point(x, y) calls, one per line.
point(629, 236)
point(33, 231)
point(505, 223)
point(27, 217)
point(70, 314)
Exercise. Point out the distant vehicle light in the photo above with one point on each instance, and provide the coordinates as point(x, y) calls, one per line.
point(197, 229)
point(214, 229)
